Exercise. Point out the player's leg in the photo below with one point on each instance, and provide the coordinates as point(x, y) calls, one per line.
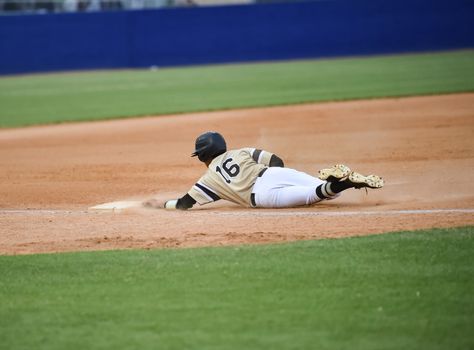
point(303, 189)
point(290, 196)
point(282, 177)
point(285, 187)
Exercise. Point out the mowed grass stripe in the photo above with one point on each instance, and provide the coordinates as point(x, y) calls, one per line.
point(39, 99)
point(394, 291)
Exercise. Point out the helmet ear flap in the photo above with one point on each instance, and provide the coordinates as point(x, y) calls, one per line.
point(203, 158)
point(209, 145)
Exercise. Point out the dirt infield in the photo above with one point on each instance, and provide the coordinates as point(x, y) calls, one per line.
point(51, 175)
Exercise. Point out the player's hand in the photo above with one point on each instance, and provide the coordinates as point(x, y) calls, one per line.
point(154, 203)
point(171, 204)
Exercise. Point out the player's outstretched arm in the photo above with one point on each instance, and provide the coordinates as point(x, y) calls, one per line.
point(183, 203)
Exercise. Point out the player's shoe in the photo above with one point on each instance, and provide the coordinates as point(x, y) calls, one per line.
point(342, 173)
point(338, 172)
point(361, 181)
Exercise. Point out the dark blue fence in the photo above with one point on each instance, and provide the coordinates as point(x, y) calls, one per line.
point(232, 34)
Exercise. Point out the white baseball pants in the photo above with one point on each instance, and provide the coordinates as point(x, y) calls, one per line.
point(285, 187)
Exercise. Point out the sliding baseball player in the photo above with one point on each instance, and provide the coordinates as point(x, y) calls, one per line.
point(258, 179)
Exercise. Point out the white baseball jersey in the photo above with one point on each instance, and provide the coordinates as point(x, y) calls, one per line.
point(231, 176)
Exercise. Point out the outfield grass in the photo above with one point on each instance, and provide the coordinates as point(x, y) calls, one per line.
point(394, 291)
point(39, 99)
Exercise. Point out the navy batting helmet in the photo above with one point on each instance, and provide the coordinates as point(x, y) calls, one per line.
point(209, 145)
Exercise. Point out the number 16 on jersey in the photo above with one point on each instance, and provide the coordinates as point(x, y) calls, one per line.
point(230, 170)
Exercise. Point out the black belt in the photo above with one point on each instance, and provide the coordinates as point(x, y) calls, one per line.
point(252, 199)
point(252, 195)
point(260, 174)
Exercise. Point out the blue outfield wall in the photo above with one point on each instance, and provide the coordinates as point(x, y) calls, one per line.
point(199, 35)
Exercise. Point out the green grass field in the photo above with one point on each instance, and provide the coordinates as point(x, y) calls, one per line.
point(40, 99)
point(411, 290)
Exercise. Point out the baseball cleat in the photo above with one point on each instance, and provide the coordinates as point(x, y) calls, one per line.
point(362, 181)
point(338, 172)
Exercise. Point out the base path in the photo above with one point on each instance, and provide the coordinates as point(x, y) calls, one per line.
point(51, 175)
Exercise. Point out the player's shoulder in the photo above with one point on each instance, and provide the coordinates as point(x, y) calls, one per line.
point(235, 151)
point(241, 153)
point(235, 154)
point(244, 150)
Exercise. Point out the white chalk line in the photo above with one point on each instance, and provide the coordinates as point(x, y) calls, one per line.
point(41, 211)
point(255, 212)
point(350, 213)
